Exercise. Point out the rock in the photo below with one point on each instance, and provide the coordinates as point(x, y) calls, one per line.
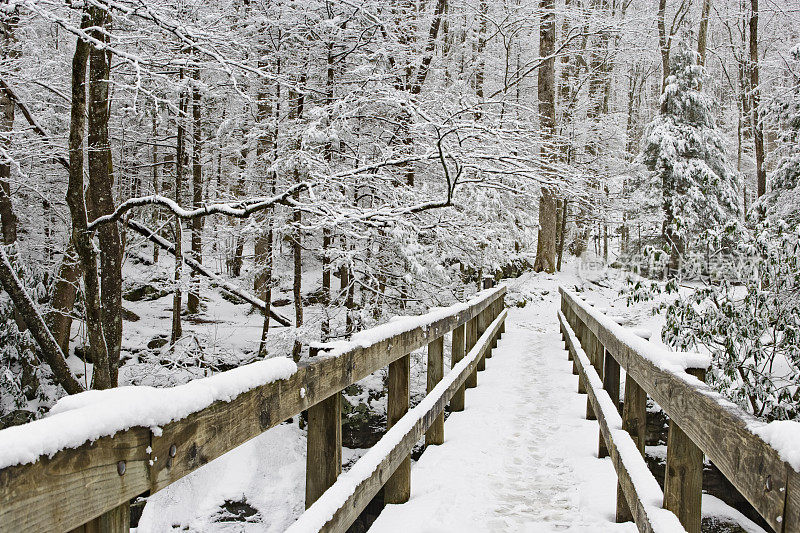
point(717, 524)
point(157, 342)
point(237, 511)
point(281, 302)
point(129, 315)
point(361, 426)
point(83, 353)
point(317, 296)
point(16, 417)
point(144, 291)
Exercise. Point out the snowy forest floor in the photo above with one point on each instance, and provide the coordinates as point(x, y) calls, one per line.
point(521, 457)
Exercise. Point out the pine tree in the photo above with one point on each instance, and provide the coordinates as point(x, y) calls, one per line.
point(685, 151)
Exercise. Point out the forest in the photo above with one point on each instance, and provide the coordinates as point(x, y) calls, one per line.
point(190, 186)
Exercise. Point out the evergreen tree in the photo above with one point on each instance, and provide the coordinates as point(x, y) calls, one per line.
point(685, 151)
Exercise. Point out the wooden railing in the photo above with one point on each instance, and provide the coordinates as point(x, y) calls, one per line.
point(701, 424)
point(89, 487)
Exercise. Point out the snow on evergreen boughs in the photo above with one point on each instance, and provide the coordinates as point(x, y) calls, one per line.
point(685, 150)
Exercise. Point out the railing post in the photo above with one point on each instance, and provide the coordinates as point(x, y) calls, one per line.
point(580, 332)
point(435, 434)
point(683, 477)
point(117, 520)
point(500, 306)
point(482, 323)
point(323, 446)
point(595, 352)
point(611, 385)
point(398, 486)
point(457, 354)
point(634, 421)
point(472, 338)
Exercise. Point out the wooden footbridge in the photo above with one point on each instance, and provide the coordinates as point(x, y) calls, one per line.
point(86, 485)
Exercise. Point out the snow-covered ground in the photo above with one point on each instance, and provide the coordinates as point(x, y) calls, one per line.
point(521, 457)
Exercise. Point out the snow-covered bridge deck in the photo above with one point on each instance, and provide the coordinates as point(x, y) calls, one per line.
point(521, 456)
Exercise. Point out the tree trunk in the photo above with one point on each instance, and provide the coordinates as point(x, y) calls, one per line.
point(267, 148)
point(297, 239)
point(758, 127)
point(702, 34)
point(8, 219)
point(101, 183)
point(563, 233)
point(156, 180)
point(546, 244)
point(78, 213)
point(177, 331)
point(193, 301)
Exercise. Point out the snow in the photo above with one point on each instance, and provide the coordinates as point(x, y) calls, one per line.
point(90, 415)
point(784, 436)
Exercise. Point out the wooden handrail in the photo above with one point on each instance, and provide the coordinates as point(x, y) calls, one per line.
point(335, 511)
point(98, 479)
point(721, 430)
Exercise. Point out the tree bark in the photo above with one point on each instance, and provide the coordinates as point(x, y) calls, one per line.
point(177, 330)
point(101, 182)
point(193, 301)
point(78, 213)
point(267, 149)
point(702, 34)
point(546, 243)
point(8, 219)
point(755, 88)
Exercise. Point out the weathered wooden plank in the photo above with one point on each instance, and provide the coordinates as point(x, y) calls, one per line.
point(791, 518)
point(472, 337)
point(117, 520)
point(457, 354)
point(611, 385)
point(683, 477)
point(641, 513)
point(323, 446)
point(482, 322)
point(634, 421)
point(75, 486)
point(435, 434)
point(365, 490)
point(719, 429)
point(398, 487)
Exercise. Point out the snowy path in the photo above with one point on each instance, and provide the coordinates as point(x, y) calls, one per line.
point(522, 456)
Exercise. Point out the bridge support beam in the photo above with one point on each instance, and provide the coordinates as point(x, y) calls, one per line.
point(398, 486)
point(472, 338)
point(457, 354)
point(435, 433)
point(634, 421)
point(683, 477)
point(117, 520)
point(482, 322)
point(323, 446)
point(611, 385)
